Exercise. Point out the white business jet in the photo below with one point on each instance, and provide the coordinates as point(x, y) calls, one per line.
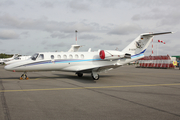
point(2, 61)
point(84, 62)
point(17, 59)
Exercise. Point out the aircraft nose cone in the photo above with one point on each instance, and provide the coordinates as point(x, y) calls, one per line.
point(8, 67)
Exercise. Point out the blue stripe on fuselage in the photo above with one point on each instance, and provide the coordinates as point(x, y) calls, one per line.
point(59, 61)
point(138, 55)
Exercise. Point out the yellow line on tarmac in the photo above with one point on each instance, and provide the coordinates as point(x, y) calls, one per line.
point(100, 87)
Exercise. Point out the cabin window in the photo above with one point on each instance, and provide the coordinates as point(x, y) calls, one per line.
point(59, 57)
point(70, 56)
point(76, 56)
point(82, 56)
point(34, 56)
point(64, 56)
point(41, 57)
point(52, 56)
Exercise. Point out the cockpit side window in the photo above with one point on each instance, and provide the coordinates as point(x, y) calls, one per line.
point(41, 57)
point(34, 56)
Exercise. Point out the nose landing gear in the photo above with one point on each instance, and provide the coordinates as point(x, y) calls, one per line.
point(24, 76)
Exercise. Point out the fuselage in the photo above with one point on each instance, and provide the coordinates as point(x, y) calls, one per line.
point(56, 61)
point(64, 61)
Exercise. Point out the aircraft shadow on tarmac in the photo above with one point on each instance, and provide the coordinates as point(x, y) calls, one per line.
point(85, 79)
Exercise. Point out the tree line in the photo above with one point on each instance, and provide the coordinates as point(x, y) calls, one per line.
point(3, 55)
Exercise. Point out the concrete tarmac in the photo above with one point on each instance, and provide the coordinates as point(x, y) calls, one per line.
point(126, 93)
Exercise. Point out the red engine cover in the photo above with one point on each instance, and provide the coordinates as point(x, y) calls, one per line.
point(102, 54)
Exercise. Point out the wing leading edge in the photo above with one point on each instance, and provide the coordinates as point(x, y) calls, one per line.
point(152, 34)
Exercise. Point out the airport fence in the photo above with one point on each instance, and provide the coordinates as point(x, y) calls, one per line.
point(156, 62)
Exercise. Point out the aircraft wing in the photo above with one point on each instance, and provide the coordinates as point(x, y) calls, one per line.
point(98, 69)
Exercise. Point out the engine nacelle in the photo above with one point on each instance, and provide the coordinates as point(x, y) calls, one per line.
point(112, 54)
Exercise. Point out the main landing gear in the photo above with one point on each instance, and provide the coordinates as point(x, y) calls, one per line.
point(94, 75)
point(79, 74)
point(24, 76)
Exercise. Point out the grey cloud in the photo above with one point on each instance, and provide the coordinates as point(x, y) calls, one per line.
point(7, 21)
point(136, 17)
point(112, 43)
point(153, 3)
point(109, 3)
point(47, 4)
point(125, 29)
point(8, 34)
point(77, 26)
point(6, 3)
point(78, 5)
point(153, 14)
point(171, 19)
point(88, 37)
point(164, 17)
point(62, 44)
point(25, 33)
point(60, 35)
point(44, 42)
point(58, 46)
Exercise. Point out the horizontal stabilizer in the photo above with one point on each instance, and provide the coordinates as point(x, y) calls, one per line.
point(152, 34)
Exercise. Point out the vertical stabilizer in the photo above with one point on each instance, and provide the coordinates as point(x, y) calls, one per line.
point(137, 47)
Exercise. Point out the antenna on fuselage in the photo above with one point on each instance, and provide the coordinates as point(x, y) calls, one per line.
point(76, 36)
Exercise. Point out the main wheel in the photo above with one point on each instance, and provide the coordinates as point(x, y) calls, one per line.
point(80, 74)
point(96, 77)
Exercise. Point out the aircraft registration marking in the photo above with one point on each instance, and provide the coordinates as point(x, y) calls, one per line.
point(100, 87)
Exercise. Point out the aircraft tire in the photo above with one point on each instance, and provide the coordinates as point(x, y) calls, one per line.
point(95, 77)
point(80, 74)
point(23, 77)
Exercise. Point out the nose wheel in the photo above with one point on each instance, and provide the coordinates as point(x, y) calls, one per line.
point(24, 76)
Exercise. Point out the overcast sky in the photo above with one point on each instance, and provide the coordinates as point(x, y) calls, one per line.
point(33, 26)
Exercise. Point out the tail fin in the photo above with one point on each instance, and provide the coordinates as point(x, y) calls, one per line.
point(15, 55)
point(137, 47)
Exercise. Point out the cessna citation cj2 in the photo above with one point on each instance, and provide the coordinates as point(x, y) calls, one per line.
point(84, 62)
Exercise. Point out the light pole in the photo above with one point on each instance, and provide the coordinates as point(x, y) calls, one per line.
point(76, 36)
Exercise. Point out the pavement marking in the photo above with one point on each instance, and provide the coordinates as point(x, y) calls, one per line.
point(100, 87)
point(17, 79)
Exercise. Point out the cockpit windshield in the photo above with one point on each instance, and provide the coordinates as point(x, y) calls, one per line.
point(40, 57)
point(34, 56)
